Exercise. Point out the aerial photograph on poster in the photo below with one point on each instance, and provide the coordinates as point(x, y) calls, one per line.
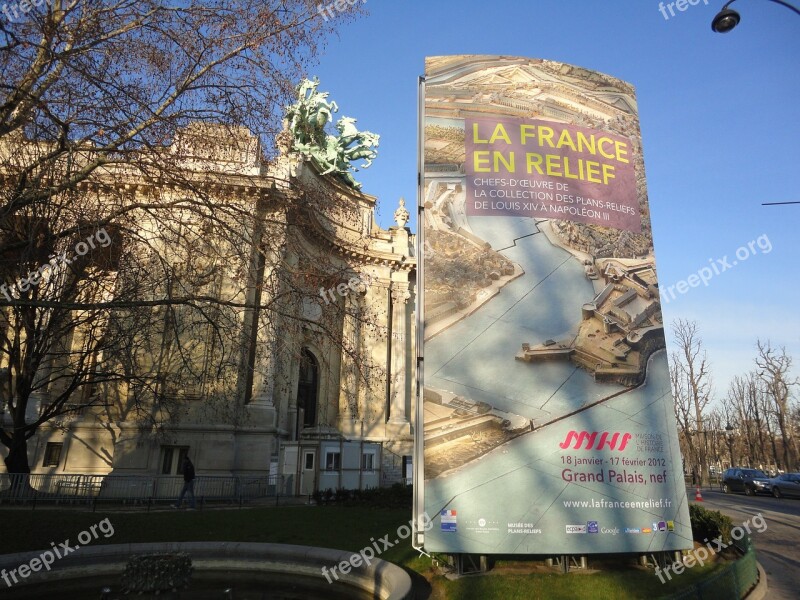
point(548, 416)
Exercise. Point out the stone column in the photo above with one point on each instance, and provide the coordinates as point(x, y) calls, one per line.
point(349, 417)
point(398, 388)
point(265, 374)
point(266, 326)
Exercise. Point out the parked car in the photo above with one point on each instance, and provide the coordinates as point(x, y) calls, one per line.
point(749, 481)
point(786, 484)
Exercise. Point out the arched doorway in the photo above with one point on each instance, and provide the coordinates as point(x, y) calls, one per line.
point(307, 390)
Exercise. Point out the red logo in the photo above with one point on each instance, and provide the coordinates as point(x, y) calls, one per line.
point(585, 436)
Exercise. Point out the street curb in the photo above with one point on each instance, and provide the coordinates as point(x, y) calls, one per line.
point(760, 591)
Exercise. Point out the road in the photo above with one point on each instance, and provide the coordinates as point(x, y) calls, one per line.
point(778, 547)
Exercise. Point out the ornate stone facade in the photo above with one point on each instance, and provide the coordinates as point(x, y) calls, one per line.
point(330, 361)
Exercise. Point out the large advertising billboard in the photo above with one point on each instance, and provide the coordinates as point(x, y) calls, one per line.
point(547, 416)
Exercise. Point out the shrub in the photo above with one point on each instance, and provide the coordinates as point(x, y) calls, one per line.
point(397, 496)
point(709, 524)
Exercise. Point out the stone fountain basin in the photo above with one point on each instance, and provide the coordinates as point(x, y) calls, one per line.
point(380, 580)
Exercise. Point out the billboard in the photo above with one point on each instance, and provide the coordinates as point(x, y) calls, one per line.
point(547, 417)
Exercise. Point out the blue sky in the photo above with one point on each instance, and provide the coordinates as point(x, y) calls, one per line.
point(720, 121)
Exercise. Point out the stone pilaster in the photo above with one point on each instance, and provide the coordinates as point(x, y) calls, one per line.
point(398, 392)
point(349, 417)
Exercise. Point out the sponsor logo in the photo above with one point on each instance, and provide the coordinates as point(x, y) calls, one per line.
point(612, 531)
point(632, 530)
point(575, 439)
point(662, 526)
point(670, 525)
point(592, 527)
point(647, 530)
point(576, 528)
point(448, 518)
point(480, 525)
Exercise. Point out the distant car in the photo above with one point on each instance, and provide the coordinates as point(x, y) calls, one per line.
point(749, 481)
point(786, 484)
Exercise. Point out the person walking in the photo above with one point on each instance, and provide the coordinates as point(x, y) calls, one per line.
point(188, 482)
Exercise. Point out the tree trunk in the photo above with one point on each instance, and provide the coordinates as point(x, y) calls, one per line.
point(18, 467)
point(702, 440)
point(787, 446)
point(17, 459)
point(775, 460)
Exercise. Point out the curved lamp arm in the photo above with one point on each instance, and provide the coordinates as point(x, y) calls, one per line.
point(726, 19)
point(786, 4)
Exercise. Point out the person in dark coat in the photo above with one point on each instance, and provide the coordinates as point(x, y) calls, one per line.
point(188, 483)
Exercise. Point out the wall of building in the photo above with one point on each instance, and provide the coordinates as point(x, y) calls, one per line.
point(237, 427)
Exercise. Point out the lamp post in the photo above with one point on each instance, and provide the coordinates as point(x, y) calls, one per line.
point(726, 19)
point(729, 434)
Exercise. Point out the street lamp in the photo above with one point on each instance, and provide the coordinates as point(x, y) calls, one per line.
point(726, 19)
point(729, 429)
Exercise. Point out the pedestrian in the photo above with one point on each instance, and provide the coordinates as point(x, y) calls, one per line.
point(188, 482)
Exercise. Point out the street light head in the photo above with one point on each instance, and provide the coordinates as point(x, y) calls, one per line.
point(725, 20)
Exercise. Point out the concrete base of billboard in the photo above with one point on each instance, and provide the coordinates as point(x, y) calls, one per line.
point(226, 561)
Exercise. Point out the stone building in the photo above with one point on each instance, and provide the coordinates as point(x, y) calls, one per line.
point(322, 389)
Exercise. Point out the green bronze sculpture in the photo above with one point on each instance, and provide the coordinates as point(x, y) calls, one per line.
point(307, 119)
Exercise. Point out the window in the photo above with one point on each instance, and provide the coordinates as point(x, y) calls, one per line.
point(307, 389)
point(408, 468)
point(309, 461)
point(166, 460)
point(333, 461)
point(172, 459)
point(368, 461)
point(52, 454)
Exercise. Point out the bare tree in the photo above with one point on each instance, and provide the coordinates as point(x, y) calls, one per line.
point(773, 370)
point(681, 394)
point(743, 396)
point(102, 137)
point(765, 409)
point(692, 379)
